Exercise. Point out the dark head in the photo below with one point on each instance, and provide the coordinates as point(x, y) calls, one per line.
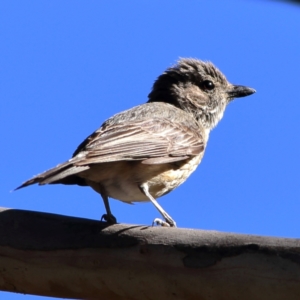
point(199, 88)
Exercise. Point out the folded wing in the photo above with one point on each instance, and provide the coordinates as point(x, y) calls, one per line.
point(158, 139)
point(152, 139)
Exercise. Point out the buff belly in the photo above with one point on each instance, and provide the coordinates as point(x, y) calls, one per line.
point(121, 180)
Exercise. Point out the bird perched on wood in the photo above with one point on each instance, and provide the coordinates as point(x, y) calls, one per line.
point(147, 151)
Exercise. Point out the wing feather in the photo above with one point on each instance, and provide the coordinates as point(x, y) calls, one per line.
point(142, 140)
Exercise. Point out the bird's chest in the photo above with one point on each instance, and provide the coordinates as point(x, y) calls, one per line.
point(172, 177)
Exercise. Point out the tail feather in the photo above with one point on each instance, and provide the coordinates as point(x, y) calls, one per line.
point(56, 175)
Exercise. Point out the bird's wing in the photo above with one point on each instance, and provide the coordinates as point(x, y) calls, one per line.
point(153, 133)
point(154, 141)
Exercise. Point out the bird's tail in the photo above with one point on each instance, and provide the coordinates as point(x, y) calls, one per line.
point(64, 173)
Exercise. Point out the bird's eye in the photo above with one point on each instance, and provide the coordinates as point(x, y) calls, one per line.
point(208, 85)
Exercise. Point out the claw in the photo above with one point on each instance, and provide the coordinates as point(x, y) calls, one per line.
point(162, 223)
point(109, 219)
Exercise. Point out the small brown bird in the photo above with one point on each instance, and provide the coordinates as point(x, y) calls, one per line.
point(147, 151)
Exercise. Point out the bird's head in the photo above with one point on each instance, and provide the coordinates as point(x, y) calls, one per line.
point(199, 88)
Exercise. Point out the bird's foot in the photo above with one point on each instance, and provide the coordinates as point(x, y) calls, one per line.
point(109, 219)
point(167, 223)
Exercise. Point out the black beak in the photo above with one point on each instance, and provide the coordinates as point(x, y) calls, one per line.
point(237, 91)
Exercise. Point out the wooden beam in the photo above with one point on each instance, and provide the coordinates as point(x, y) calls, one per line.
point(60, 256)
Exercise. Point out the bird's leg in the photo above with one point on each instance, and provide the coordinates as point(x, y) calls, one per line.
point(108, 217)
point(169, 222)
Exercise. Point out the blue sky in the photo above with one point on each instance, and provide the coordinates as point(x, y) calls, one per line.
point(66, 66)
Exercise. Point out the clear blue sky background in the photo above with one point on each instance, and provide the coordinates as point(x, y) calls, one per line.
point(66, 66)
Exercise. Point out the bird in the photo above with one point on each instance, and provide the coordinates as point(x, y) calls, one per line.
point(145, 152)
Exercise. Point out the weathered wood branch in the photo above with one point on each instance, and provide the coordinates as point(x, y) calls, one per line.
point(60, 256)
